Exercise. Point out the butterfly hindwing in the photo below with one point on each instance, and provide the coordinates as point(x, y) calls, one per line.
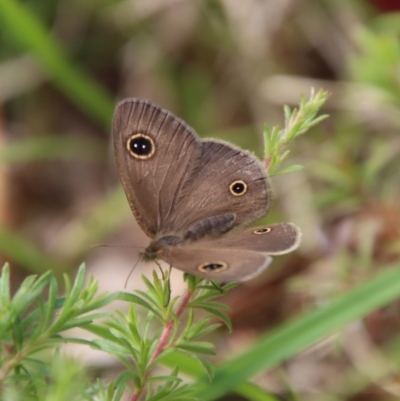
point(220, 264)
point(274, 239)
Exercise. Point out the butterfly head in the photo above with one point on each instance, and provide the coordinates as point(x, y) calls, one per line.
point(152, 252)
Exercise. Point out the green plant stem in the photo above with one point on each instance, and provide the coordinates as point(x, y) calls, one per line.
point(164, 338)
point(9, 365)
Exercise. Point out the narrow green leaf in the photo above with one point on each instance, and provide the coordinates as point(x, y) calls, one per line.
point(287, 112)
point(53, 343)
point(171, 306)
point(99, 330)
point(206, 365)
point(27, 30)
point(129, 297)
point(120, 385)
point(75, 340)
point(62, 318)
point(150, 307)
point(169, 378)
point(5, 287)
point(253, 392)
point(213, 304)
point(109, 346)
point(137, 337)
point(67, 286)
point(99, 302)
point(219, 314)
point(29, 290)
point(17, 333)
point(193, 329)
point(201, 347)
point(79, 322)
point(318, 119)
point(150, 286)
point(40, 321)
point(290, 169)
point(189, 323)
point(183, 360)
point(118, 327)
point(206, 330)
point(51, 302)
point(167, 293)
point(77, 287)
point(34, 315)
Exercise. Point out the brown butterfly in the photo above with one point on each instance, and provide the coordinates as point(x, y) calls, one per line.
point(187, 194)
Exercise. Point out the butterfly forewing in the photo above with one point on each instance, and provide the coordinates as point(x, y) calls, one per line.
point(152, 185)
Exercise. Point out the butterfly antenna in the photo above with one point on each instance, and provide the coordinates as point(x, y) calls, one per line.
point(130, 273)
point(115, 246)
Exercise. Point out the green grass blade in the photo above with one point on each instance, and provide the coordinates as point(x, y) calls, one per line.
point(83, 91)
point(295, 336)
point(252, 392)
point(51, 148)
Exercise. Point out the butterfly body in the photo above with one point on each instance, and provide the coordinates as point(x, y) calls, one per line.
point(156, 246)
point(188, 194)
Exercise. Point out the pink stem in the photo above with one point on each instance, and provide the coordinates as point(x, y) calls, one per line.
point(165, 335)
point(267, 162)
